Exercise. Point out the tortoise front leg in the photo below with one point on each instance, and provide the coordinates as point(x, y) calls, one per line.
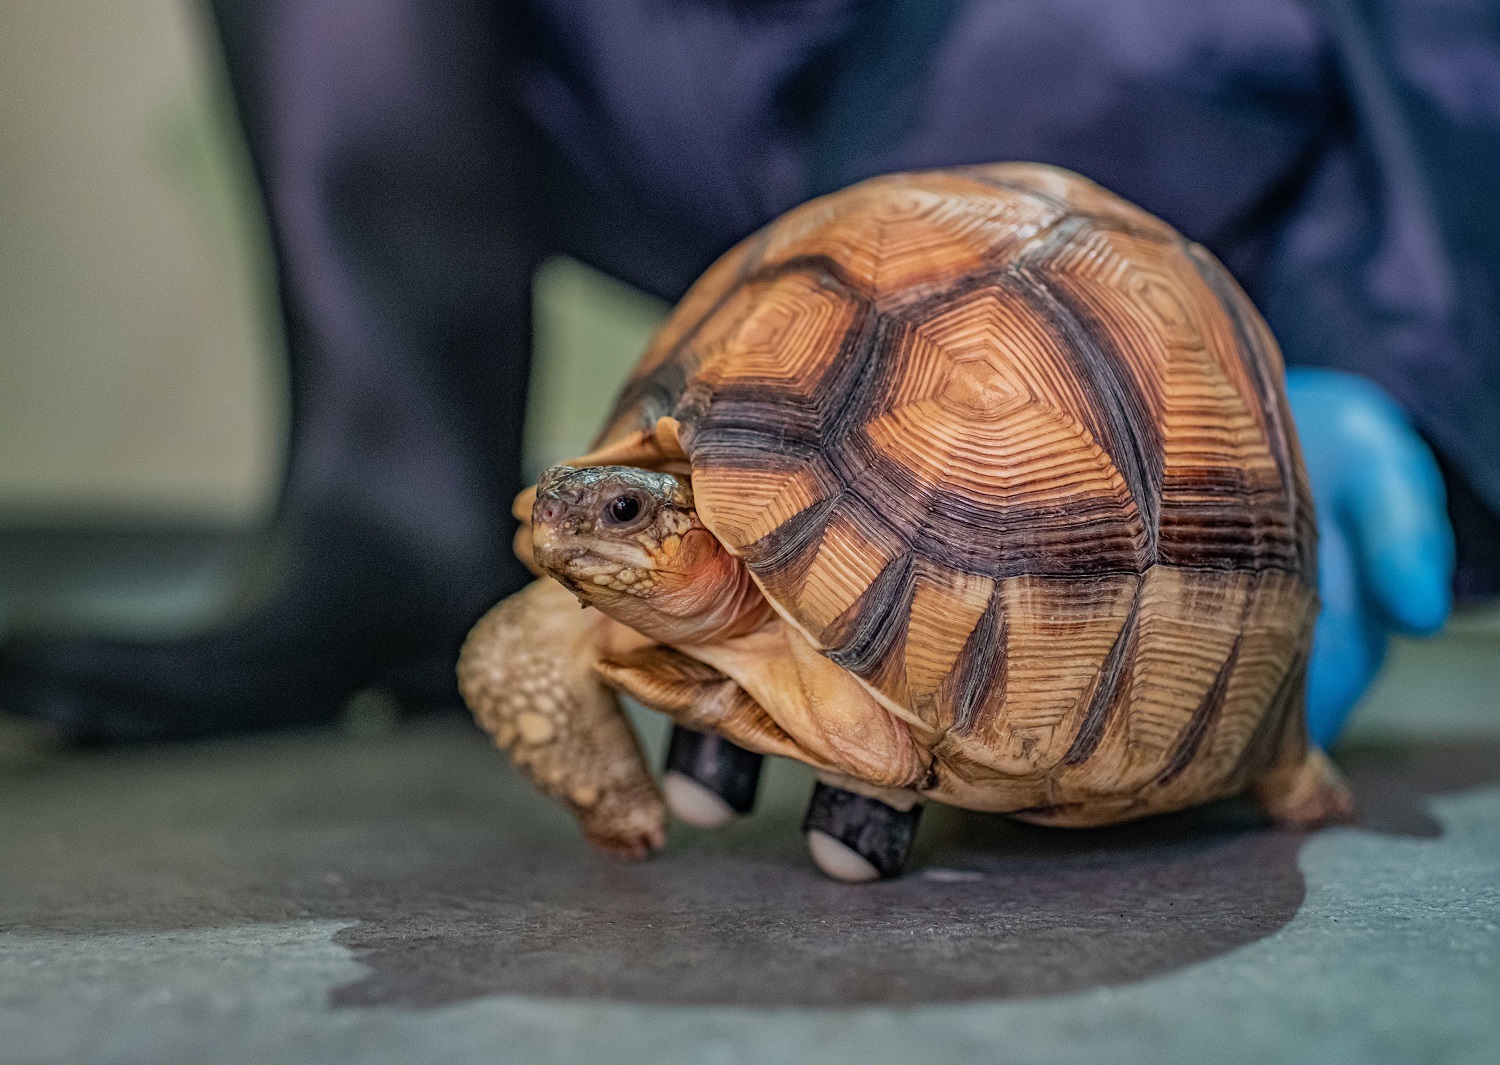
point(527, 673)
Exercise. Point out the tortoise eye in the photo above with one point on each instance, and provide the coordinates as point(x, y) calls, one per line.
point(622, 510)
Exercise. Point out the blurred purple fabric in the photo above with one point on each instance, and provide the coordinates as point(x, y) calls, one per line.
point(1341, 156)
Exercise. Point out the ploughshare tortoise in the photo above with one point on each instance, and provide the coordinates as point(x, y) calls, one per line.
point(975, 485)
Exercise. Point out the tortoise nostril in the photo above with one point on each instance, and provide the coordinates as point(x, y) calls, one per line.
point(549, 510)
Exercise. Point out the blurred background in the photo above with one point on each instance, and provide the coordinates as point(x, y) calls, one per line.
point(142, 391)
point(142, 376)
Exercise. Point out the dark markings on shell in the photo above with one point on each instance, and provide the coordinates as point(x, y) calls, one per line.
point(741, 424)
point(957, 531)
point(952, 527)
point(730, 446)
point(982, 673)
point(865, 633)
point(789, 548)
point(1086, 539)
point(826, 269)
point(869, 426)
point(647, 398)
point(1119, 415)
point(748, 423)
point(859, 354)
point(1284, 711)
point(1221, 528)
point(1205, 716)
point(1109, 690)
point(1260, 363)
point(732, 423)
point(926, 303)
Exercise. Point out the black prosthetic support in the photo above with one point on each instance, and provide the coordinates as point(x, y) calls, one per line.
point(732, 773)
point(880, 834)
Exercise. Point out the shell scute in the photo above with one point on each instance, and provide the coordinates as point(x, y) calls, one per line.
point(1017, 455)
point(899, 236)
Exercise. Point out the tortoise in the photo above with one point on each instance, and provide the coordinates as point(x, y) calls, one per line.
point(976, 485)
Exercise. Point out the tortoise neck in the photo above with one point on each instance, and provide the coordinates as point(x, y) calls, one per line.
point(710, 599)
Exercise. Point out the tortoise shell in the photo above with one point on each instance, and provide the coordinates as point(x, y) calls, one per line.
point(1018, 456)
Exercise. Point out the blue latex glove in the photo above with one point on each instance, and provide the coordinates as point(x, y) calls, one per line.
point(1385, 547)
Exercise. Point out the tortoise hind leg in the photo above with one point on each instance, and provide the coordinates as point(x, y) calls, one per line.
point(1306, 792)
point(527, 673)
point(1301, 787)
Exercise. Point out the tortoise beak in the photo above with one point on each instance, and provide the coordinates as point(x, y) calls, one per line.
point(557, 546)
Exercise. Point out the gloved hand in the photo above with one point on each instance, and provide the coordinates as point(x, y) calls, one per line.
point(1385, 548)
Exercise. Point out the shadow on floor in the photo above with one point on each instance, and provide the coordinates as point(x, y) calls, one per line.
point(458, 882)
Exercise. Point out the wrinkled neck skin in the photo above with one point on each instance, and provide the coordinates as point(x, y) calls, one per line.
point(647, 562)
point(714, 600)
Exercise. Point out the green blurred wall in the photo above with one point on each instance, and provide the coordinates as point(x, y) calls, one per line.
point(140, 366)
point(134, 338)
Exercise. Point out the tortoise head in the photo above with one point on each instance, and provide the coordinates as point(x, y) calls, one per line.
point(629, 542)
point(610, 527)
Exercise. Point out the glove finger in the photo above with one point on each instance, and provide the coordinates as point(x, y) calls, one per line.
point(1397, 513)
point(1348, 645)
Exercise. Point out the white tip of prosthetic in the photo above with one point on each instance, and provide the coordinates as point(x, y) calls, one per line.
point(694, 804)
point(839, 861)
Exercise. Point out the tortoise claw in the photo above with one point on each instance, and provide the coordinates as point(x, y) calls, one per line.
point(630, 828)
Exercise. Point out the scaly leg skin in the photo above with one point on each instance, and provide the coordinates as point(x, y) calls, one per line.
point(1302, 788)
point(1306, 793)
point(527, 673)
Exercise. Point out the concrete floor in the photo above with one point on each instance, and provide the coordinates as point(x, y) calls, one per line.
point(371, 896)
